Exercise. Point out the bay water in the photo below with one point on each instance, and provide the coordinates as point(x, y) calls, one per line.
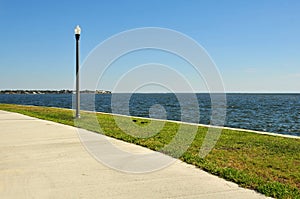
point(276, 113)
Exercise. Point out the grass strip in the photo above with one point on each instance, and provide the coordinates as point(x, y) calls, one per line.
point(265, 163)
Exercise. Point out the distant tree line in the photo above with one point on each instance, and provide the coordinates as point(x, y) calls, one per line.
point(34, 92)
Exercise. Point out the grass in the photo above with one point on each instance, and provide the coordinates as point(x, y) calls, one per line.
point(267, 164)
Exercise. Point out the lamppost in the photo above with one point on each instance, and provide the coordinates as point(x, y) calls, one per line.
point(77, 36)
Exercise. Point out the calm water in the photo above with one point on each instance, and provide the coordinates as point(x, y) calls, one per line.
point(277, 113)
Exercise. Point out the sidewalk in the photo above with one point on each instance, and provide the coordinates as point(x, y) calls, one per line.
point(42, 159)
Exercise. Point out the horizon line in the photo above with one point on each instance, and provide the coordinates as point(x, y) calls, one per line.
point(158, 92)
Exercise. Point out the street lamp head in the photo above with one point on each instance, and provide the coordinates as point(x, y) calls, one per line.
point(77, 30)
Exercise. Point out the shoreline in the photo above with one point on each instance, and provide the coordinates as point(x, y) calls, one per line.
point(69, 91)
point(180, 122)
point(43, 92)
point(201, 125)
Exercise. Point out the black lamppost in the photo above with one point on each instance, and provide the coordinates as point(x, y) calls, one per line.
point(77, 36)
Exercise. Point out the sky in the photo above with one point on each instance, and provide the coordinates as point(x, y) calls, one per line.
point(255, 44)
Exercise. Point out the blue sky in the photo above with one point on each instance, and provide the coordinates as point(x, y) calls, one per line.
point(255, 43)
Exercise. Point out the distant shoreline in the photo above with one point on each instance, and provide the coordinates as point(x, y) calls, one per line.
point(39, 92)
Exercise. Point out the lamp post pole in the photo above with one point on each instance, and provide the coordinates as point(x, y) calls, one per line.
point(77, 36)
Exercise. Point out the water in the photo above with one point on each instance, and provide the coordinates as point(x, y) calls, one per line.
point(277, 113)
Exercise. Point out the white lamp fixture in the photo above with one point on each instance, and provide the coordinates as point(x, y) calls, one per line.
point(77, 30)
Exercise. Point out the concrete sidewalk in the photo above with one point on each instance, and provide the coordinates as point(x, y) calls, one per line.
point(42, 159)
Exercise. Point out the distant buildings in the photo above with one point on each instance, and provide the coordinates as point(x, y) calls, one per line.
point(102, 92)
point(35, 92)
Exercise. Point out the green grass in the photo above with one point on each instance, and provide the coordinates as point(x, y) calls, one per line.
point(267, 164)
